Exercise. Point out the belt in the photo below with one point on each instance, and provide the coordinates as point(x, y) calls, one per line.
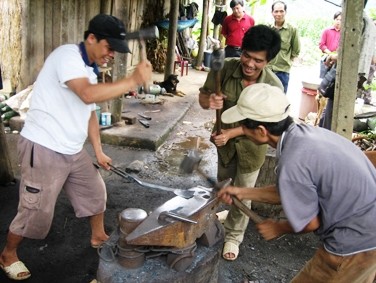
point(234, 47)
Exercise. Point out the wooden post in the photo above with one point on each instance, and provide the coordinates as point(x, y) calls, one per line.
point(204, 32)
point(6, 173)
point(172, 30)
point(119, 68)
point(347, 68)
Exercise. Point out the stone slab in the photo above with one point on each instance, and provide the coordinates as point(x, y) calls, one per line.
point(164, 117)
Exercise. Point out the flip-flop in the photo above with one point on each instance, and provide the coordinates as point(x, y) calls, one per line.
point(15, 269)
point(230, 248)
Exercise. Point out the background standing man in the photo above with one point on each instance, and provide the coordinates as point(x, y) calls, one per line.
point(238, 157)
point(61, 116)
point(234, 27)
point(332, 195)
point(290, 47)
point(329, 42)
point(365, 69)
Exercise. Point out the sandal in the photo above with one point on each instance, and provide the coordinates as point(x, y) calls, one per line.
point(222, 215)
point(230, 248)
point(15, 270)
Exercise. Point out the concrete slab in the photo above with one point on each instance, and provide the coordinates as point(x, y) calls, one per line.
point(164, 116)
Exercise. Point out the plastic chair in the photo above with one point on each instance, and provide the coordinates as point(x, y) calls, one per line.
point(182, 62)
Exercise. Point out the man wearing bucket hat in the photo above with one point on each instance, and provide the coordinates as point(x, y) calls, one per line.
point(320, 193)
point(61, 117)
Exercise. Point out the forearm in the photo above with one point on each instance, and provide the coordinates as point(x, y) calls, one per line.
point(94, 135)
point(204, 100)
point(94, 93)
point(285, 227)
point(268, 194)
point(234, 132)
point(271, 229)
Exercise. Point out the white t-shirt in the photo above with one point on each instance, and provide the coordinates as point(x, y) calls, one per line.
point(58, 119)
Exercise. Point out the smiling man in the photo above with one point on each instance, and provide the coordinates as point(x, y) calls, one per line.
point(61, 117)
point(238, 157)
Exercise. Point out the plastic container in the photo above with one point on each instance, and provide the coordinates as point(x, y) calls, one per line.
point(308, 103)
point(106, 119)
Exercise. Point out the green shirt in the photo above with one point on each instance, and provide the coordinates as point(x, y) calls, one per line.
point(250, 156)
point(290, 48)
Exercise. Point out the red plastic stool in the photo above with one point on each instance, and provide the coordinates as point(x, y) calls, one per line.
point(183, 64)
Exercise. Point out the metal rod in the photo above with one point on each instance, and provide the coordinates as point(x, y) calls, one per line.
point(177, 217)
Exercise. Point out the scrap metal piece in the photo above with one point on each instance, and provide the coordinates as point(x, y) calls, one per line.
point(144, 123)
point(144, 116)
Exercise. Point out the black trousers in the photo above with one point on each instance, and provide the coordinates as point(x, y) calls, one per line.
point(232, 51)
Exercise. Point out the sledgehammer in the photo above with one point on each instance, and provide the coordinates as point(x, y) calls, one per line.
point(191, 162)
point(216, 64)
point(142, 35)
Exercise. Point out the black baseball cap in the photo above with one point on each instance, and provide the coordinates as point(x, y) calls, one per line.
point(112, 29)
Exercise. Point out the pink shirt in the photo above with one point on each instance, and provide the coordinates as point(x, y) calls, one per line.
point(234, 30)
point(330, 39)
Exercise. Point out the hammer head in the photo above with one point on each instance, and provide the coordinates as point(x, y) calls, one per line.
point(217, 59)
point(190, 161)
point(143, 34)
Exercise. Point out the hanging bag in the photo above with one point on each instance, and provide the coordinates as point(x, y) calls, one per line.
point(326, 87)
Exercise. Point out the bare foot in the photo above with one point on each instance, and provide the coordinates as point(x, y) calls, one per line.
point(97, 241)
point(230, 251)
point(229, 256)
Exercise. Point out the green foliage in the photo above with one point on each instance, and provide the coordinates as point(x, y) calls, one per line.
point(196, 33)
point(310, 31)
point(253, 3)
point(371, 86)
point(372, 13)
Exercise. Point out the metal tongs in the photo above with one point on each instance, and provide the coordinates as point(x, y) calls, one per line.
point(179, 192)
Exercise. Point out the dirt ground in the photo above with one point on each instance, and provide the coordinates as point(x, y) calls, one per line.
point(66, 256)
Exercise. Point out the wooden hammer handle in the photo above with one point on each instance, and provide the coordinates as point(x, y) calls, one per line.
point(143, 58)
point(218, 92)
point(251, 214)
